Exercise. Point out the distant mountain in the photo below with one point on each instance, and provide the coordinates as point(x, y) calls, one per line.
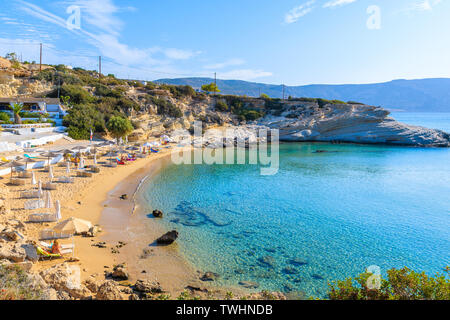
point(423, 95)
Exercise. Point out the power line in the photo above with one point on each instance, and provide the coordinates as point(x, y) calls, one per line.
point(109, 60)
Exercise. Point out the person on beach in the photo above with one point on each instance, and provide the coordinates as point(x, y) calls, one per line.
point(56, 248)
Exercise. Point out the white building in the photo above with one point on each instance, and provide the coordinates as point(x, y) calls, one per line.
point(52, 106)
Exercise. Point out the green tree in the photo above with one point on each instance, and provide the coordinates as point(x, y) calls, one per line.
point(401, 284)
point(119, 127)
point(221, 106)
point(264, 96)
point(16, 109)
point(212, 87)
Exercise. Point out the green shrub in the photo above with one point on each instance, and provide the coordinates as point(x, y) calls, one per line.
point(5, 117)
point(119, 127)
point(16, 284)
point(77, 94)
point(165, 107)
point(81, 119)
point(401, 284)
point(221, 106)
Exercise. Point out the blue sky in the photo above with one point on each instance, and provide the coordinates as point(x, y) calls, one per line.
point(284, 41)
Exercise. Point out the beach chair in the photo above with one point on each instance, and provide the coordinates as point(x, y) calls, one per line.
point(49, 234)
point(48, 246)
point(29, 194)
point(3, 159)
point(154, 150)
point(49, 186)
point(84, 174)
point(42, 254)
point(34, 204)
point(120, 161)
point(43, 217)
point(29, 157)
point(17, 182)
point(64, 179)
point(25, 175)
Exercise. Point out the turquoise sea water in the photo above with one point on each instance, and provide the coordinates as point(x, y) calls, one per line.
point(432, 120)
point(323, 217)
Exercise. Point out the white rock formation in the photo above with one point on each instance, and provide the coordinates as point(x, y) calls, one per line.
point(355, 124)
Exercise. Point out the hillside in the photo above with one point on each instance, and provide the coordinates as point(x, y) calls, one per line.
point(97, 101)
point(423, 95)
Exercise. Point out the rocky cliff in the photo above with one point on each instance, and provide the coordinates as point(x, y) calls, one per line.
point(351, 123)
point(157, 109)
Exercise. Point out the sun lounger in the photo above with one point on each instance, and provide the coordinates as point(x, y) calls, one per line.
point(34, 204)
point(49, 186)
point(48, 234)
point(94, 169)
point(25, 175)
point(3, 159)
point(29, 194)
point(43, 217)
point(63, 246)
point(120, 162)
point(111, 165)
point(43, 254)
point(29, 157)
point(84, 174)
point(64, 179)
point(18, 182)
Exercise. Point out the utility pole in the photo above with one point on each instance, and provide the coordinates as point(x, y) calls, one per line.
point(215, 82)
point(283, 91)
point(40, 59)
point(99, 66)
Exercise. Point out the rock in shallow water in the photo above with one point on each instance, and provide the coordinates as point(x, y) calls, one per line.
point(157, 213)
point(249, 284)
point(168, 238)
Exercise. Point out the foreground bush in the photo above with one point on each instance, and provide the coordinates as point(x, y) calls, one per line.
point(15, 284)
point(401, 284)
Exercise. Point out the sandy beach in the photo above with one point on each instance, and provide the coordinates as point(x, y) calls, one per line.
point(128, 232)
point(87, 199)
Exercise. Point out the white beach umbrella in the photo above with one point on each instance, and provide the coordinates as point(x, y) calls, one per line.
point(81, 164)
point(48, 203)
point(58, 210)
point(50, 172)
point(39, 189)
point(33, 179)
point(67, 167)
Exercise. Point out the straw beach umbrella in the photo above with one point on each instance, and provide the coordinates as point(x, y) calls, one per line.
point(13, 164)
point(48, 155)
point(73, 225)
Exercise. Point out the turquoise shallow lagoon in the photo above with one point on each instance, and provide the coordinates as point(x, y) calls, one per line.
point(323, 217)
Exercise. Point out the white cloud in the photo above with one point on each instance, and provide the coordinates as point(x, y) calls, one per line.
point(105, 36)
point(424, 5)
point(178, 54)
point(100, 14)
point(225, 64)
point(299, 11)
point(337, 3)
point(244, 74)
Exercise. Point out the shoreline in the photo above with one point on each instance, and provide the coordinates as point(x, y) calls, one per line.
point(97, 199)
